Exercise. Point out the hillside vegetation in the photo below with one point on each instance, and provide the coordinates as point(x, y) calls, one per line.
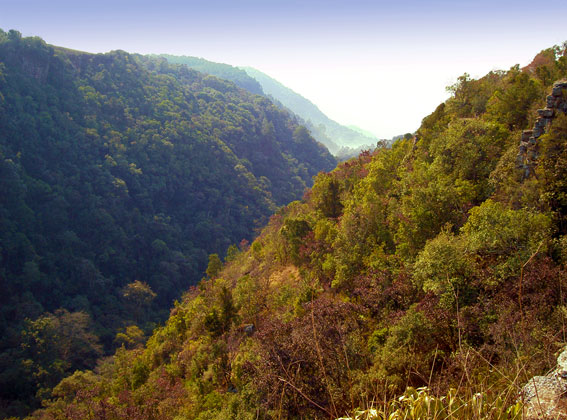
point(431, 263)
point(340, 140)
point(119, 175)
point(223, 71)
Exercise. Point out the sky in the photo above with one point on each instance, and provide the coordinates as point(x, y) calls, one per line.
point(380, 65)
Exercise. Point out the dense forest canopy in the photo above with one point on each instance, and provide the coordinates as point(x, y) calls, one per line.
point(223, 71)
point(435, 262)
point(119, 175)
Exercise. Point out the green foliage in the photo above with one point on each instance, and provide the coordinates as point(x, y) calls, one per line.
point(377, 339)
point(427, 264)
point(444, 268)
point(119, 174)
point(231, 253)
point(506, 236)
point(51, 347)
point(294, 231)
point(470, 97)
point(214, 267)
point(553, 170)
point(247, 297)
point(132, 337)
point(511, 105)
point(223, 71)
point(410, 345)
point(326, 196)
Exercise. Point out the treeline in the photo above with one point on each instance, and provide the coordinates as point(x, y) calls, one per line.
point(223, 71)
point(119, 175)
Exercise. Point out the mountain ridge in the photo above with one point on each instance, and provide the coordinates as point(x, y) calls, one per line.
point(340, 140)
point(321, 125)
point(221, 70)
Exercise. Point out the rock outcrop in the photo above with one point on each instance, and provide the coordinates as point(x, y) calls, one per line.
point(545, 397)
point(528, 149)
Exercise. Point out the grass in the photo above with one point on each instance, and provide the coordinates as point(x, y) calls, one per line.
point(421, 404)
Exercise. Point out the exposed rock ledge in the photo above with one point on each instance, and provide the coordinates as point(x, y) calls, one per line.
point(528, 149)
point(545, 397)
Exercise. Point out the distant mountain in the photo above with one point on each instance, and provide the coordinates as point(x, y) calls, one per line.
point(334, 135)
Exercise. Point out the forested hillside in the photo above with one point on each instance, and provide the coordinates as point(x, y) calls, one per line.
point(437, 262)
point(340, 140)
point(119, 175)
point(224, 71)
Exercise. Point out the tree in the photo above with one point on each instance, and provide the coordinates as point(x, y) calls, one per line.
point(56, 344)
point(139, 295)
point(510, 104)
point(444, 268)
point(214, 267)
point(553, 170)
point(326, 195)
point(132, 337)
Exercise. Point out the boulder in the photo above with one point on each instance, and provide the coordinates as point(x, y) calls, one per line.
point(545, 397)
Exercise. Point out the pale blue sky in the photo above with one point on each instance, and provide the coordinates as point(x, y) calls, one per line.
point(381, 65)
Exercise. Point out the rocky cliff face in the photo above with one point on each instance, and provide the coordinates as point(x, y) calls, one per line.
point(528, 149)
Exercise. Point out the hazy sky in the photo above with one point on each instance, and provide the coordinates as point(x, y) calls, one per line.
point(381, 65)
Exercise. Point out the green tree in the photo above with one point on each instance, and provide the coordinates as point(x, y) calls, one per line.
point(55, 345)
point(139, 295)
point(294, 230)
point(553, 170)
point(510, 104)
point(132, 337)
point(506, 236)
point(326, 195)
point(444, 268)
point(214, 267)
